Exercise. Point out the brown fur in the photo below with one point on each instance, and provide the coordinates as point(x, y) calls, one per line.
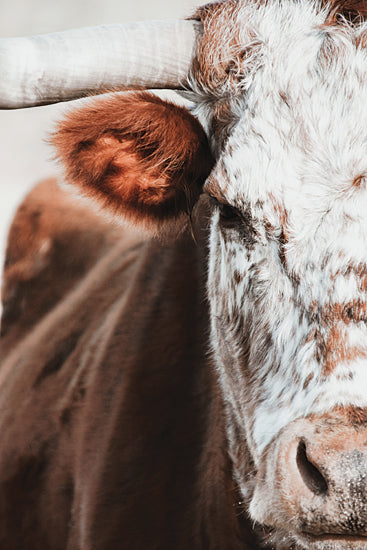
point(112, 425)
point(220, 63)
point(117, 439)
point(359, 181)
point(329, 332)
point(355, 416)
point(350, 10)
point(53, 242)
point(340, 418)
point(141, 157)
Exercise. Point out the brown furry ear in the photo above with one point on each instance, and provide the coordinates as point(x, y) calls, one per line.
point(139, 156)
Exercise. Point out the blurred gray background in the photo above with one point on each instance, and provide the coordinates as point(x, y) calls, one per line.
point(25, 158)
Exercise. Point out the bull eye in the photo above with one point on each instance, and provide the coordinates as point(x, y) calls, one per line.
point(229, 213)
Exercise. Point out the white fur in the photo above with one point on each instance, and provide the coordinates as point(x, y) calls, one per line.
point(292, 164)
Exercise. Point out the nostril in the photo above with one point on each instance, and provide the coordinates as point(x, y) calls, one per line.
point(311, 476)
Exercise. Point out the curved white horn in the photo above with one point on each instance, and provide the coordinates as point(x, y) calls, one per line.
point(48, 68)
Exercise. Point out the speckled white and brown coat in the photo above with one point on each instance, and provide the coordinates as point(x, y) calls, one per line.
point(281, 89)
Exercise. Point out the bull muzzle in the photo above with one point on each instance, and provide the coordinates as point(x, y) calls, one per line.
point(313, 483)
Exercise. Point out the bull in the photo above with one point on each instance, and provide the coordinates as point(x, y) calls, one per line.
point(203, 387)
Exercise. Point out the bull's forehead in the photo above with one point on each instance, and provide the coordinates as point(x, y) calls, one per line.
point(295, 85)
point(301, 114)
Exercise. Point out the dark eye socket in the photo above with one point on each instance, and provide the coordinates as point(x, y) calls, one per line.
point(229, 213)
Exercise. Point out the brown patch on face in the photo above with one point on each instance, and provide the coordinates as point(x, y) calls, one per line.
point(284, 97)
point(339, 418)
point(216, 187)
point(359, 181)
point(329, 50)
point(350, 10)
point(361, 40)
point(238, 277)
point(221, 54)
point(358, 270)
point(330, 334)
point(223, 120)
point(282, 213)
point(337, 350)
point(282, 251)
point(308, 380)
point(223, 59)
point(363, 282)
point(356, 416)
point(283, 237)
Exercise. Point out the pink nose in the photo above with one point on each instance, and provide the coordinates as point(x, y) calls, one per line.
point(319, 481)
point(330, 485)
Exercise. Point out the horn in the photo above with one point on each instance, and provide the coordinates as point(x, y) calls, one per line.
point(49, 68)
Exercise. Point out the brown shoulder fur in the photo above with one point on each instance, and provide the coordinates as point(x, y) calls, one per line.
point(54, 240)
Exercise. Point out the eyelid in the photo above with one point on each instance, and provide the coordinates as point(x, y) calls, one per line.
point(222, 203)
point(214, 191)
point(218, 201)
point(229, 213)
point(214, 200)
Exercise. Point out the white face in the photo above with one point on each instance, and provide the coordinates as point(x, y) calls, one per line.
point(287, 272)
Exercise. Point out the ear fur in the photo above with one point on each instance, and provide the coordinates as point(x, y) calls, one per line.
point(137, 155)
